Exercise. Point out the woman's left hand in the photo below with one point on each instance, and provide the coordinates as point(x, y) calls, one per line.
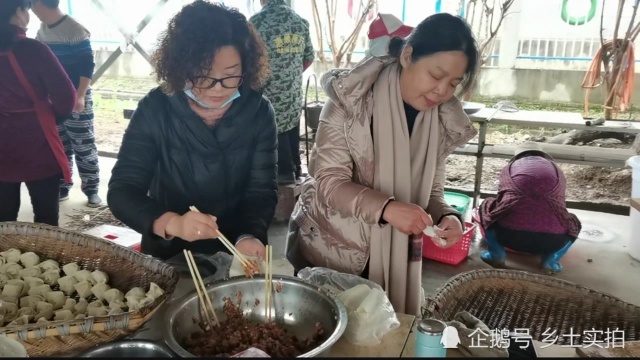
point(450, 229)
point(251, 247)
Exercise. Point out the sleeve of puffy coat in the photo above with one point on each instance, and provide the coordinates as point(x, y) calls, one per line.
point(333, 171)
point(261, 195)
point(132, 175)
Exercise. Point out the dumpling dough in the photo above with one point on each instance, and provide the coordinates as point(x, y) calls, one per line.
point(32, 271)
point(84, 275)
point(136, 304)
point(116, 310)
point(96, 309)
point(32, 282)
point(10, 311)
point(154, 291)
point(99, 277)
point(29, 312)
point(11, 256)
point(99, 289)
point(117, 303)
point(12, 292)
point(22, 320)
point(12, 270)
point(56, 298)
point(25, 286)
point(136, 291)
point(29, 259)
point(81, 306)
point(40, 290)
point(112, 295)
point(3, 279)
point(66, 284)
point(69, 304)
point(30, 301)
point(71, 268)
point(83, 288)
point(50, 277)
point(44, 310)
point(62, 315)
point(49, 265)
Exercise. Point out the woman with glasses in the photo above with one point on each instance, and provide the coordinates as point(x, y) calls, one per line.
point(205, 138)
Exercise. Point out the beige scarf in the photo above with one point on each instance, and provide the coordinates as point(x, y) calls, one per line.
point(405, 168)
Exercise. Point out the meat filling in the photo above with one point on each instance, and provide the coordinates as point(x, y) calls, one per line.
point(236, 334)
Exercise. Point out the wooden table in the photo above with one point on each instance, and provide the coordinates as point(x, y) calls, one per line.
point(635, 203)
point(391, 346)
point(544, 350)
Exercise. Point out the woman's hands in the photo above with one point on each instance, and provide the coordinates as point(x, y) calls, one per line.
point(193, 226)
point(409, 219)
point(251, 246)
point(450, 229)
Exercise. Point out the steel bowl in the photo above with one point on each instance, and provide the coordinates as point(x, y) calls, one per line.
point(472, 107)
point(296, 307)
point(128, 349)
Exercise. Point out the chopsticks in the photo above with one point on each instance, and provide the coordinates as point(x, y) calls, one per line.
point(228, 244)
point(268, 283)
point(200, 288)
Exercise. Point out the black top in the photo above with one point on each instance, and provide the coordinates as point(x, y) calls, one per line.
point(170, 159)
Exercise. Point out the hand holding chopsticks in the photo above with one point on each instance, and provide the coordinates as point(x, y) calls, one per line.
point(203, 295)
point(228, 244)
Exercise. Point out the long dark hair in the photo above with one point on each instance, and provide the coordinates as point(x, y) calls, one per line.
point(438, 33)
point(8, 8)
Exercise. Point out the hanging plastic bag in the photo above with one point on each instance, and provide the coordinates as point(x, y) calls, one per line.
point(371, 315)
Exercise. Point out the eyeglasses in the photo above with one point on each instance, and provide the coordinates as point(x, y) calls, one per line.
point(229, 82)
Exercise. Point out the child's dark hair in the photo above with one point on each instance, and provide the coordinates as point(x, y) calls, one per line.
point(437, 33)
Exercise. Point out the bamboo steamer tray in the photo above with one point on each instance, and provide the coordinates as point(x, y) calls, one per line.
point(125, 267)
point(514, 300)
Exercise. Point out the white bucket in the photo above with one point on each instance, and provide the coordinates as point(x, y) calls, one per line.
point(634, 246)
point(634, 163)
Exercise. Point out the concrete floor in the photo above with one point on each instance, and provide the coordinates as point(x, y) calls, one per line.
point(600, 265)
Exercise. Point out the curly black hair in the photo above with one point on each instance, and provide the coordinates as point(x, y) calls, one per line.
point(194, 35)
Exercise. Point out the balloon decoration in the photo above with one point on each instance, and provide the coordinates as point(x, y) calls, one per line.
point(574, 20)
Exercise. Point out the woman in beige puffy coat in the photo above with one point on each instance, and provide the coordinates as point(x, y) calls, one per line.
point(378, 166)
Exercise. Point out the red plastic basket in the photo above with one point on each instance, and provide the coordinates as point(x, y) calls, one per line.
point(453, 255)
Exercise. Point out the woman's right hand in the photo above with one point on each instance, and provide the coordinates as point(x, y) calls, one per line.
point(409, 219)
point(193, 226)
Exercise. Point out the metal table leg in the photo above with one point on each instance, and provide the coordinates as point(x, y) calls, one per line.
point(482, 135)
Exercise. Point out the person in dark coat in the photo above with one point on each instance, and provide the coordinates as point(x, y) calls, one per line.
point(205, 138)
point(529, 214)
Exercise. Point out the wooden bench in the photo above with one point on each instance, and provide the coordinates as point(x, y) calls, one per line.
point(571, 154)
point(581, 155)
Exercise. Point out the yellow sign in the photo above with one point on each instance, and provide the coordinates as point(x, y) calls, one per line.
point(289, 44)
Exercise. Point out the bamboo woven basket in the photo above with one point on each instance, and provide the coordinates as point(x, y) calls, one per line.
point(515, 300)
point(126, 269)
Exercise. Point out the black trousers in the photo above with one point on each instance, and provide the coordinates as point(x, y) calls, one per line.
point(289, 152)
point(44, 194)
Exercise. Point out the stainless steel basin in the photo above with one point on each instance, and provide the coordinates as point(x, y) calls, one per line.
point(297, 307)
point(128, 349)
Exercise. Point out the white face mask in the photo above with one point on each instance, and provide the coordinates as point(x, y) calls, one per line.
point(192, 96)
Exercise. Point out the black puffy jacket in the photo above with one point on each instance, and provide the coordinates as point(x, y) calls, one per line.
point(170, 159)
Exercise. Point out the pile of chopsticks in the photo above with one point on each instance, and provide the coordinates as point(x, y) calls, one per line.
point(268, 283)
point(229, 245)
point(203, 295)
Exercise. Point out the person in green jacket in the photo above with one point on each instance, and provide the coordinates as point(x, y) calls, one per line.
point(288, 41)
